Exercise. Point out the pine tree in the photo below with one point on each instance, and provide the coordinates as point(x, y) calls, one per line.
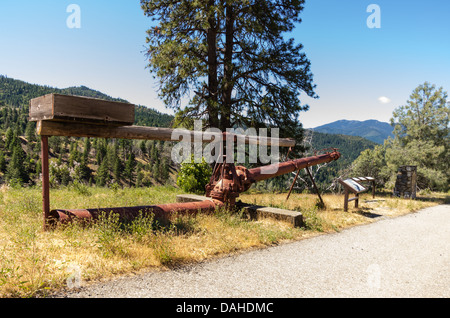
point(155, 171)
point(101, 150)
point(2, 161)
point(164, 169)
point(15, 170)
point(82, 172)
point(117, 170)
point(30, 131)
point(129, 169)
point(87, 149)
point(9, 136)
point(102, 174)
point(233, 58)
point(424, 117)
point(421, 129)
point(142, 147)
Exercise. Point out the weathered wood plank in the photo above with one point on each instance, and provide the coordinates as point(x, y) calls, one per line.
point(255, 211)
point(56, 107)
point(77, 129)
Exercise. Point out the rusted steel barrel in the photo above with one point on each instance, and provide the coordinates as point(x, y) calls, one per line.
point(163, 211)
point(160, 211)
point(278, 169)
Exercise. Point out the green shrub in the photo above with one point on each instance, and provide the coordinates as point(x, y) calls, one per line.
point(194, 176)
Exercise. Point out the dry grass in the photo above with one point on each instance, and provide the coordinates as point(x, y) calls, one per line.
point(33, 262)
point(333, 218)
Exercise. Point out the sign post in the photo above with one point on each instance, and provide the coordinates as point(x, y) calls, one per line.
point(353, 187)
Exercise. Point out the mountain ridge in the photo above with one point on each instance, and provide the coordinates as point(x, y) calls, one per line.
point(370, 129)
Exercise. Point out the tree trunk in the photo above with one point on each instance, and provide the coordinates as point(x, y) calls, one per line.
point(212, 97)
point(225, 120)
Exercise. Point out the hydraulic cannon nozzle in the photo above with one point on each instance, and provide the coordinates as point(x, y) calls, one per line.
point(228, 180)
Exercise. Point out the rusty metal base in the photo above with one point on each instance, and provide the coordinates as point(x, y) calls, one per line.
point(159, 212)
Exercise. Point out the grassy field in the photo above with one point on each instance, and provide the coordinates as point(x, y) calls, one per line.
point(34, 262)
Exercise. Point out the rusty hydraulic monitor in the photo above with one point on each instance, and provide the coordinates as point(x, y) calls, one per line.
point(76, 116)
point(226, 183)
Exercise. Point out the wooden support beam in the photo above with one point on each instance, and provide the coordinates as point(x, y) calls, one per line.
point(77, 129)
point(346, 193)
point(45, 180)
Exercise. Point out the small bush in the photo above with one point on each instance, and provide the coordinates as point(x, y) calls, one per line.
point(194, 176)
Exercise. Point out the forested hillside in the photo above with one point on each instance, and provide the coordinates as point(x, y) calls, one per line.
point(324, 175)
point(123, 162)
point(373, 130)
point(93, 161)
point(350, 148)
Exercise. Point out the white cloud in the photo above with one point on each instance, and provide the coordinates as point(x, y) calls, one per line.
point(383, 99)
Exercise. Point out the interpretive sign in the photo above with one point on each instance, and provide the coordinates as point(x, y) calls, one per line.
point(353, 186)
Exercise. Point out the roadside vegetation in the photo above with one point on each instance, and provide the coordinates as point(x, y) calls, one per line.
point(33, 263)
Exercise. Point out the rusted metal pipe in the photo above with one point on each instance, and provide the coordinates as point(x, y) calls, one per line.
point(278, 169)
point(226, 184)
point(160, 211)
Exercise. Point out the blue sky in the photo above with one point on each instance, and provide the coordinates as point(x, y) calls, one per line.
point(353, 65)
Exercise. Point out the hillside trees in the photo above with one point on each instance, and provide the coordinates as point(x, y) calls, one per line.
point(73, 159)
point(231, 60)
point(421, 130)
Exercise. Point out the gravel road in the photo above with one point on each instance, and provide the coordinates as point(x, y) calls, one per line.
point(408, 256)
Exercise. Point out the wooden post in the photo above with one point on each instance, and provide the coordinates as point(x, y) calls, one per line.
point(45, 180)
point(373, 188)
point(346, 200)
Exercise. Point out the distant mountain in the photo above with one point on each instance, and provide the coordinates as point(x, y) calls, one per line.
point(350, 148)
point(373, 130)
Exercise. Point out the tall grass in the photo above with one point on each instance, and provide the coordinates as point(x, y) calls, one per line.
point(34, 262)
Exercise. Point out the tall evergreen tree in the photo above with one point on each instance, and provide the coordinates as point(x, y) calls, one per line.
point(102, 174)
point(424, 117)
point(15, 169)
point(82, 171)
point(87, 149)
point(117, 170)
point(129, 169)
point(9, 137)
point(233, 58)
point(2, 161)
point(422, 136)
